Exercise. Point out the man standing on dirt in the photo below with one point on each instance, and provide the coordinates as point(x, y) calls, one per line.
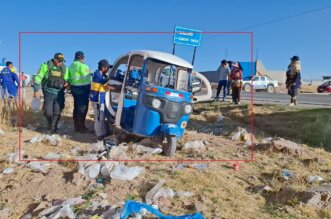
point(52, 76)
point(80, 83)
point(293, 79)
point(9, 82)
point(97, 97)
point(224, 72)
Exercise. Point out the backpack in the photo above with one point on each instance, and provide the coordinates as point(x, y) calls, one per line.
point(55, 79)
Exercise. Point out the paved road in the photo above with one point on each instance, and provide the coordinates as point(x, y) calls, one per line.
point(310, 100)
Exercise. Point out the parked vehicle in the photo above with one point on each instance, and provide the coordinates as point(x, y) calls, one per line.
point(156, 98)
point(260, 83)
point(325, 87)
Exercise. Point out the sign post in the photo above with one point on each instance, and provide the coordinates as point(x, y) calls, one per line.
point(188, 37)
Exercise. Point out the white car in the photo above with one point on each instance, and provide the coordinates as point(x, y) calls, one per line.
point(260, 83)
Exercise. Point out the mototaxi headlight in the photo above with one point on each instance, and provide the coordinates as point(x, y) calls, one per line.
point(156, 103)
point(188, 109)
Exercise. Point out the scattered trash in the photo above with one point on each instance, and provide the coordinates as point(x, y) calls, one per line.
point(267, 140)
point(151, 193)
point(286, 146)
point(49, 210)
point(111, 213)
point(143, 149)
point(280, 145)
point(38, 167)
point(27, 216)
point(118, 152)
point(35, 104)
point(220, 118)
point(73, 201)
point(74, 150)
point(164, 193)
point(52, 156)
point(248, 142)
point(99, 180)
point(45, 138)
point(182, 194)
point(195, 166)
point(13, 158)
point(64, 212)
point(312, 179)
point(122, 172)
point(4, 213)
point(236, 166)
point(236, 136)
point(87, 157)
point(93, 170)
point(287, 174)
point(8, 170)
point(97, 147)
point(61, 209)
point(95, 187)
point(133, 207)
point(106, 169)
point(110, 143)
point(2, 132)
point(31, 127)
point(197, 146)
point(102, 195)
point(239, 135)
point(267, 188)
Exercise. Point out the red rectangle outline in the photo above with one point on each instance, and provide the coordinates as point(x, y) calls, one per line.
point(167, 160)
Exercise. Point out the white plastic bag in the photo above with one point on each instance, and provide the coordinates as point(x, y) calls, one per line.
point(35, 104)
point(122, 172)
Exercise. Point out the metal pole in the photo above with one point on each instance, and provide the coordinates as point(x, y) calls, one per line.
point(173, 49)
point(195, 49)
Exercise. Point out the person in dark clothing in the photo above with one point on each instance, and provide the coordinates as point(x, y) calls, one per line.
point(52, 76)
point(79, 78)
point(224, 73)
point(236, 83)
point(293, 79)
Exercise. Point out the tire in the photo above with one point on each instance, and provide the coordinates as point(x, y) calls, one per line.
point(270, 88)
point(247, 87)
point(169, 149)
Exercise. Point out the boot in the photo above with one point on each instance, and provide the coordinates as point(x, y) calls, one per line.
point(55, 122)
point(76, 123)
point(292, 102)
point(49, 123)
point(82, 128)
point(295, 101)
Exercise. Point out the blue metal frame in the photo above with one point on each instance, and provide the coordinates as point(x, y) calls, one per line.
point(142, 120)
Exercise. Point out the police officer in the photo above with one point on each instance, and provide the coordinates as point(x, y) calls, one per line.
point(80, 83)
point(52, 76)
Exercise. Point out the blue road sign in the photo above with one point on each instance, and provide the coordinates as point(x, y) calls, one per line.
point(187, 36)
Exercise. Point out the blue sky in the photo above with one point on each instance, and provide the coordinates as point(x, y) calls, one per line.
point(307, 35)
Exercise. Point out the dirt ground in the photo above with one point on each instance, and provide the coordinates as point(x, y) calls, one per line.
point(219, 190)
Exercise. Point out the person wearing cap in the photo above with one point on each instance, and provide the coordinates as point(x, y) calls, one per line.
point(80, 83)
point(99, 87)
point(9, 82)
point(224, 72)
point(293, 79)
point(236, 82)
point(52, 77)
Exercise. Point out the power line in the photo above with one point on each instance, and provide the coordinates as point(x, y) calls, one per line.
point(284, 18)
point(276, 20)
